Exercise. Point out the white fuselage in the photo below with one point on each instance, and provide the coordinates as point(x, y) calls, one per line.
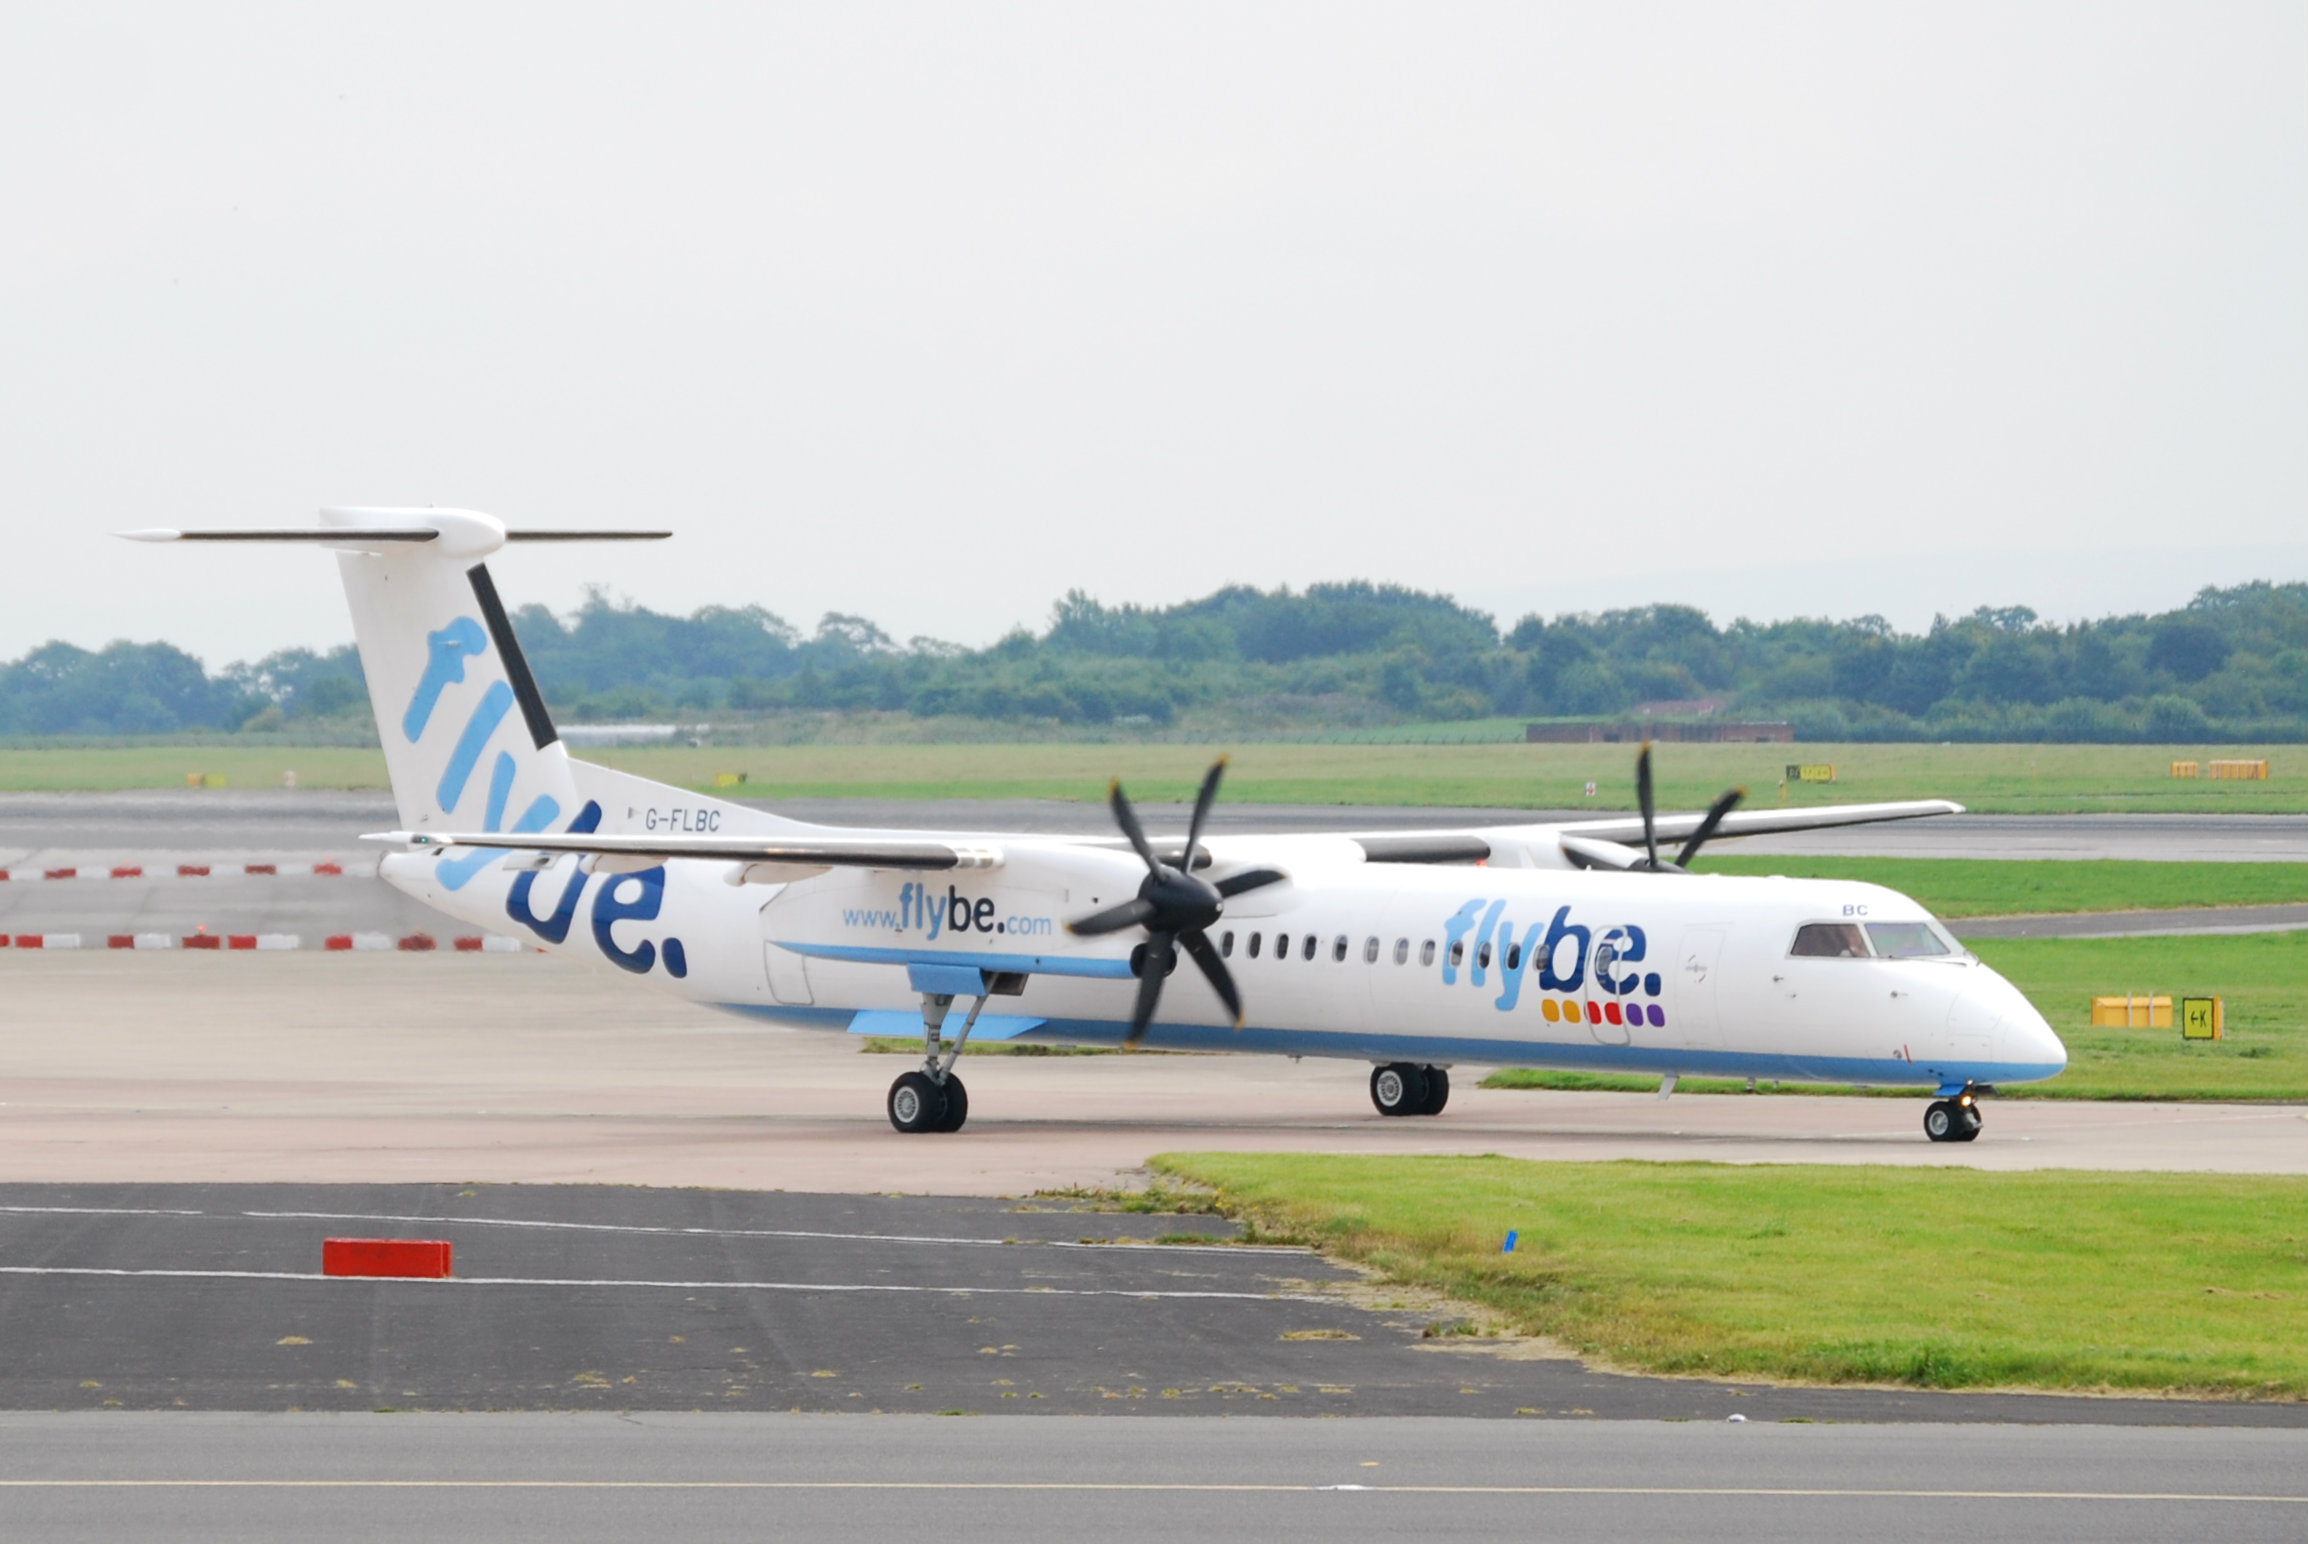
point(1548, 967)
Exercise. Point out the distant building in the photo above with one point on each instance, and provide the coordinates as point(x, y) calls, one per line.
point(1612, 731)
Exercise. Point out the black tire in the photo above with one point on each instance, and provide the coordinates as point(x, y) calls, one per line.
point(957, 1104)
point(916, 1103)
point(1398, 1088)
point(1438, 1090)
point(1939, 1122)
point(1968, 1120)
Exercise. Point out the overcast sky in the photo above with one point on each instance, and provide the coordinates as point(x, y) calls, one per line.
point(935, 312)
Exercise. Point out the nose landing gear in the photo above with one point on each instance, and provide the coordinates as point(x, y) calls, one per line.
point(1952, 1120)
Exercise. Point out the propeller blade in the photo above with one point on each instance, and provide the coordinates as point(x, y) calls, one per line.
point(1112, 920)
point(1202, 802)
point(1127, 819)
point(1197, 944)
point(1643, 798)
point(1161, 955)
point(1723, 805)
point(1248, 880)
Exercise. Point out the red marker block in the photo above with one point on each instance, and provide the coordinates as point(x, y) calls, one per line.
point(240, 940)
point(120, 940)
point(338, 941)
point(203, 941)
point(192, 871)
point(417, 943)
point(128, 871)
point(470, 944)
point(329, 868)
point(425, 1258)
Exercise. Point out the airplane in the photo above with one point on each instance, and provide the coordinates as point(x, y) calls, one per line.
point(1572, 945)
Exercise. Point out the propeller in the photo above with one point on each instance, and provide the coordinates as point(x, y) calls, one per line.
point(1724, 804)
point(1175, 907)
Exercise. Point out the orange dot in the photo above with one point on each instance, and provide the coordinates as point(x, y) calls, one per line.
point(1571, 1010)
point(1547, 1007)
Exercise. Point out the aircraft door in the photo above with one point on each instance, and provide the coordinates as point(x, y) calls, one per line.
point(1696, 962)
point(787, 971)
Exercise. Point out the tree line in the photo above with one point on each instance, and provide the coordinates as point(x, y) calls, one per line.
point(2230, 665)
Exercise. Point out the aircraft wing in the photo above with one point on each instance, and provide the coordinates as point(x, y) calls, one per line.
point(1629, 828)
point(629, 853)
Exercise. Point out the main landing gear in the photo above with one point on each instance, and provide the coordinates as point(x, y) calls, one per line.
point(1405, 1088)
point(934, 1099)
point(1953, 1120)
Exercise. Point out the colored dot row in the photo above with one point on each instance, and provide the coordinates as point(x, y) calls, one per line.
point(1570, 1011)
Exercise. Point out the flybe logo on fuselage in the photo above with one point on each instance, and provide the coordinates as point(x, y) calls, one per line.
point(936, 915)
point(1579, 974)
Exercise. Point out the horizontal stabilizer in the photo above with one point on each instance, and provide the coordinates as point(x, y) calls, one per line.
point(833, 852)
point(355, 536)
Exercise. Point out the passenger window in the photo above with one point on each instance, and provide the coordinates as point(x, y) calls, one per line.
point(1338, 950)
point(1830, 941)
point(1370, 952)
point(1310, 946)
point(1254, 945)
point(1514, 956)
point(1459, 952)
point(1402, 951)
point(1483, 956)
point(1907, 940)
point(1282, 946)
point(1426, 952)
point(1226, 945)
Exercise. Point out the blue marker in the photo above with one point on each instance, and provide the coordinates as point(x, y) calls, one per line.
point(1510, 1249)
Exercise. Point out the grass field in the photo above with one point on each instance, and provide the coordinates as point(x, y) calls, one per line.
point(2263, 978)
point(2022, 778)
point(1997, 887)
point(1942, 1278)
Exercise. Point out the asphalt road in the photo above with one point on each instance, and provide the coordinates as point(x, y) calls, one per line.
point(1024, 1481)
point(307, 822)
point(159, 829)
point(611, 1298)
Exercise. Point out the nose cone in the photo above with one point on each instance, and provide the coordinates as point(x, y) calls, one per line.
point(2021, 1038)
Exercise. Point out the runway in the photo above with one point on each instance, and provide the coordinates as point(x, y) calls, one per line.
point(1023, 1481)
point(157, 830)
point(543, 1070)
point(589, 1298)
point(57, 827)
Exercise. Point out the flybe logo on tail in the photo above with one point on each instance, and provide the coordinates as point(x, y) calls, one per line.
point(621, 898)
point(1578, 973)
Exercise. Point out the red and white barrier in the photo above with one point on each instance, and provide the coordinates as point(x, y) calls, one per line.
point(328, 868)
point(267, 943)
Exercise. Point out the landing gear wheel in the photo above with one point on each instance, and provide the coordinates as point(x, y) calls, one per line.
point(1438, 1091)
point(1398, 1088)
point(1952, 1120)
point(1939, 1120)
point(916, 1103)
point(957, 1104)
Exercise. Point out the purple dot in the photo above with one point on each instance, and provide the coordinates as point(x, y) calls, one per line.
point(1658, 1019)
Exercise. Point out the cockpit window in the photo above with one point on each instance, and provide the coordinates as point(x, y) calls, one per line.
point(1830, 941)
point(1908, 940)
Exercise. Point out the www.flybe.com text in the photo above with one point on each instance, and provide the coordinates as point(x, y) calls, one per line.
point(952, 912)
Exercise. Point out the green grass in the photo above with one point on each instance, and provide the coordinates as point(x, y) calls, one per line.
point(2030, 778)
point(1994, 887)
point(2262, 976)
point(1940, 1278)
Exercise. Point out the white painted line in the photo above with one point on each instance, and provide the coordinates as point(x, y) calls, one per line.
point(104, 1211)
point(863, 1238)
point(674, 1286)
